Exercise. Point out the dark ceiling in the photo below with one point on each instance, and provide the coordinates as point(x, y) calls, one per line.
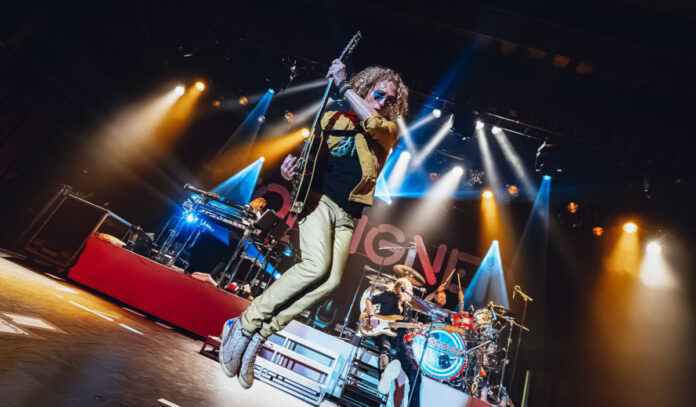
point(611, 78)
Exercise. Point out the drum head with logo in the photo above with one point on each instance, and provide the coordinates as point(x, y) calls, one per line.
point(445, 355)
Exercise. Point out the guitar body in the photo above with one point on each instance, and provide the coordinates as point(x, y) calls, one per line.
point(302, 184)
point(384, 326)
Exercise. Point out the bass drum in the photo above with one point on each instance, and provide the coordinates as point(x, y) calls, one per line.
point(445, 356)
point(365, 295)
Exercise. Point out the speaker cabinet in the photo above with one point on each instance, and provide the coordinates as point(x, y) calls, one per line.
point(60, 236)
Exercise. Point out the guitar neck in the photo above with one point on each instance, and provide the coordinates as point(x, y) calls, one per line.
point(407, 325)
point(300, 185)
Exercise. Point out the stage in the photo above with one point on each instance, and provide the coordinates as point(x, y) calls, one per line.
point(66, 346)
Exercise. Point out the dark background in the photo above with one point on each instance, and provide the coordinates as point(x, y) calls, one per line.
point(623, 129)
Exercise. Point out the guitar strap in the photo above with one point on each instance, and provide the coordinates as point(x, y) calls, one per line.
point(350, 115)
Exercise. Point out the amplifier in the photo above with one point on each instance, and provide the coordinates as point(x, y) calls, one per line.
point(60, 235)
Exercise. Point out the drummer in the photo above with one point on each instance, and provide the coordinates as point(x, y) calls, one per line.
point(393, 356)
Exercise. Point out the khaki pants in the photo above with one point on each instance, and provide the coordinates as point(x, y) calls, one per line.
point(325, 236)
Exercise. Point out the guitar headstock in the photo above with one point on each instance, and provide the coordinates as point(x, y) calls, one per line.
point(351, 45)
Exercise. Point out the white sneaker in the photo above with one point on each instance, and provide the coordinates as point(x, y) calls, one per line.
point(390, 373)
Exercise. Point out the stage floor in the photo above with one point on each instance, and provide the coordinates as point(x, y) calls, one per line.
point(61, 345)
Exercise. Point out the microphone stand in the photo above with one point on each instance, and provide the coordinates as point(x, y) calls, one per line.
point(527, 299)
point(420, 371)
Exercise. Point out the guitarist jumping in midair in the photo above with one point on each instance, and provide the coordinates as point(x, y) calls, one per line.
point(355, 146)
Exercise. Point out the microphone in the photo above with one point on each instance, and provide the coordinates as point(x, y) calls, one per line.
point(514, 290)
point(368, 268)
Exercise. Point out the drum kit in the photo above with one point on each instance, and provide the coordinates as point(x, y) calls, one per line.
point(466, 349)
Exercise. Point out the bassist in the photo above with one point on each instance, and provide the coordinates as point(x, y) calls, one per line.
point(393, 353)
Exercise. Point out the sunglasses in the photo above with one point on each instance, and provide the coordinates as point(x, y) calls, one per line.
point(380, 94)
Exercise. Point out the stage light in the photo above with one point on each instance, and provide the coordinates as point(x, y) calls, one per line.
point(517, 164)
point(630, 227)
point(289, 116)
point(191, 217)
point(271, 91)
point(458, 171)
point(655, 272)
point(512, 190)
point(243, 100)
point(179, 90)
point(496, 130)
point(434, 141)
point(200, 86)
point(479, 125)
point(487, 194)
point(598, 231)
point(261, 119)
point(437, 113)
point(216, 103)
point(262, 159)
point(305, 132)
point(547, 178)
point(398, 174)
point(572, 207)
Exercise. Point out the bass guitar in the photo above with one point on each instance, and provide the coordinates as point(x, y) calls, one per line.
point(387, 323)
point(307, 161)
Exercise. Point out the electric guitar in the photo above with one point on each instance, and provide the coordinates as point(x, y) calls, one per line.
point(307, 161)
point(386, 324)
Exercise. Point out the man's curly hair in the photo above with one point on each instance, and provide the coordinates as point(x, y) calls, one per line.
point(365, 80)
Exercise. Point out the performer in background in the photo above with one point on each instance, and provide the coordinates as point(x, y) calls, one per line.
point(358, 144)
point(393, 356)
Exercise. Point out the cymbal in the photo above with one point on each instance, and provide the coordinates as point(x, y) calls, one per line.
point(383, 277)
point(402, 270)
point(427, 307)
point(502, 311)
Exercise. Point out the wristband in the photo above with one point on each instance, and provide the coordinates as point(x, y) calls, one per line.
point(343, 86)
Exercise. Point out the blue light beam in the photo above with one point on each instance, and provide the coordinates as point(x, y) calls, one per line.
point(488, 283)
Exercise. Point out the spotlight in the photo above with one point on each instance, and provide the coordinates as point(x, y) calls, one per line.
point(200, 86)
point(654, 248)
point(289, 116)
point(191, 217)
point(630, 227)
point(487, 194)
point(305, 132)
point(243, 100)
point(458, 171)
point(547, 178)
point(216, 103)
point(436, 113)
point(512, 189)
point(262, 159)
point(598, 231)
point(271, 91)
point(496, 130)
point(572, 207)
point(479, 125)
point(261, 119)
point(179, 90)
